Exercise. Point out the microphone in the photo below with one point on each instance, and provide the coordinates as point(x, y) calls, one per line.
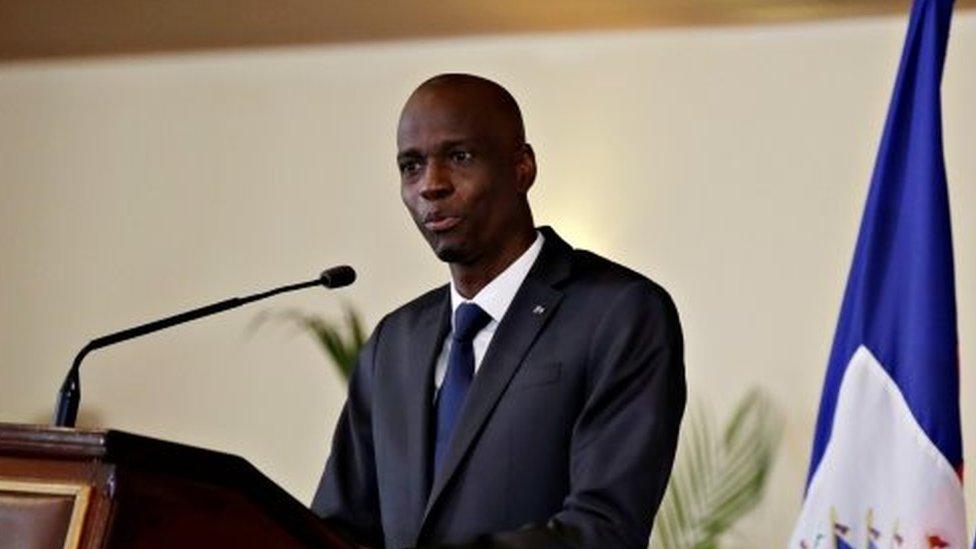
point(69, 396)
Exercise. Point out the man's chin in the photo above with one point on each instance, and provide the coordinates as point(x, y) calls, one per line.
point(448, 248)
point(448, 254)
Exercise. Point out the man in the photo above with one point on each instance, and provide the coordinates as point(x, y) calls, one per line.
point(534, 401)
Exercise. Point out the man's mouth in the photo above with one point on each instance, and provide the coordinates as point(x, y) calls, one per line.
point(439, 223)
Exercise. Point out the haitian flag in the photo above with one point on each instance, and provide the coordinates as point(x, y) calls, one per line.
point(887, 450)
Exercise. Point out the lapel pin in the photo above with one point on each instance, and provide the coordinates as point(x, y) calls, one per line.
point(539, 309)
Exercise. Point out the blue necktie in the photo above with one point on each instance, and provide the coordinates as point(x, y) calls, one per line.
point(469, 319)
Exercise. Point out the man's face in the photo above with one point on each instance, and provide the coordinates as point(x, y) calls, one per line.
point(462, 177)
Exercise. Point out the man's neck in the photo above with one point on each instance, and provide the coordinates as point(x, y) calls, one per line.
point(471, 278)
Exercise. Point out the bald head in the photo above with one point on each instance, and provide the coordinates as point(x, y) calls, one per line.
point(497, 110)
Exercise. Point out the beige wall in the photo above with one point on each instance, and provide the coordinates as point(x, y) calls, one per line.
point(729, 164)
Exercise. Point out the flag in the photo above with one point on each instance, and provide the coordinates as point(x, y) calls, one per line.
point(888, 443)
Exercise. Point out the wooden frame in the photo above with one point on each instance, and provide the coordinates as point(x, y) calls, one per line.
point(80, 492)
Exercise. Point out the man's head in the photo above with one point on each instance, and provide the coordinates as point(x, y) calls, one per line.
point(465, 170)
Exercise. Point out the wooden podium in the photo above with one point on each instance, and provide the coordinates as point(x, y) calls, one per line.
point(107, 489)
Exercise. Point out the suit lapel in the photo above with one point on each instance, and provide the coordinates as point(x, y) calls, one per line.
point(433, 325)
point(533, 305)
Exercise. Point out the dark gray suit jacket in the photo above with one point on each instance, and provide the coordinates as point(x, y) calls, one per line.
point(570, 425)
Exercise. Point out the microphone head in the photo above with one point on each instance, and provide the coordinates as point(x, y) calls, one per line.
point(337, 277)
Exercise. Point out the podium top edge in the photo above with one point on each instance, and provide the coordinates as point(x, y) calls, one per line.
point(51, 441)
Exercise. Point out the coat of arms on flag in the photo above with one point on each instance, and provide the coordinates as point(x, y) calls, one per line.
point(885, 469)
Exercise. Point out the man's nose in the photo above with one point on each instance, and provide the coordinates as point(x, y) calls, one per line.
point(436, 182)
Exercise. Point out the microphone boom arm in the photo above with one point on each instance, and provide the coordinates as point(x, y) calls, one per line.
point(69, 396)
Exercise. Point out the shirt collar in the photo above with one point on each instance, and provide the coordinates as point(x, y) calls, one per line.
point(498, 294)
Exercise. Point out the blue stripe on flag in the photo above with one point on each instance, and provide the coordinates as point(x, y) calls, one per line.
point(841, 543)
point(900, 295)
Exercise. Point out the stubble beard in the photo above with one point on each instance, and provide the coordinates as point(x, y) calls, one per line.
point(448, 254)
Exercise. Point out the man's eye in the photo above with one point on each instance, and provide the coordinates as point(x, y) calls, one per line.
point(461, 157)
point(409, 167)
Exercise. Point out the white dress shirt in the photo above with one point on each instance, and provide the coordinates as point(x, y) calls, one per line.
point(494, 299)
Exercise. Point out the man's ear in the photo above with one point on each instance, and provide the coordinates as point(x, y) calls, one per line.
point(525, 168)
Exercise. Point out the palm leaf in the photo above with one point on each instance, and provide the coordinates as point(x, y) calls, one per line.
point(716, 480)
point(340, 341)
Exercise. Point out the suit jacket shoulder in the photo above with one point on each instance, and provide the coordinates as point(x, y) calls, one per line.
point(588, 267)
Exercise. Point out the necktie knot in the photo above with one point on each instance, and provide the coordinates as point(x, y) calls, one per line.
point(469, 319)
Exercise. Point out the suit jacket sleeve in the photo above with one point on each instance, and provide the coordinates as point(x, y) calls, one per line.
point(625, 438)
point(347, 496)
